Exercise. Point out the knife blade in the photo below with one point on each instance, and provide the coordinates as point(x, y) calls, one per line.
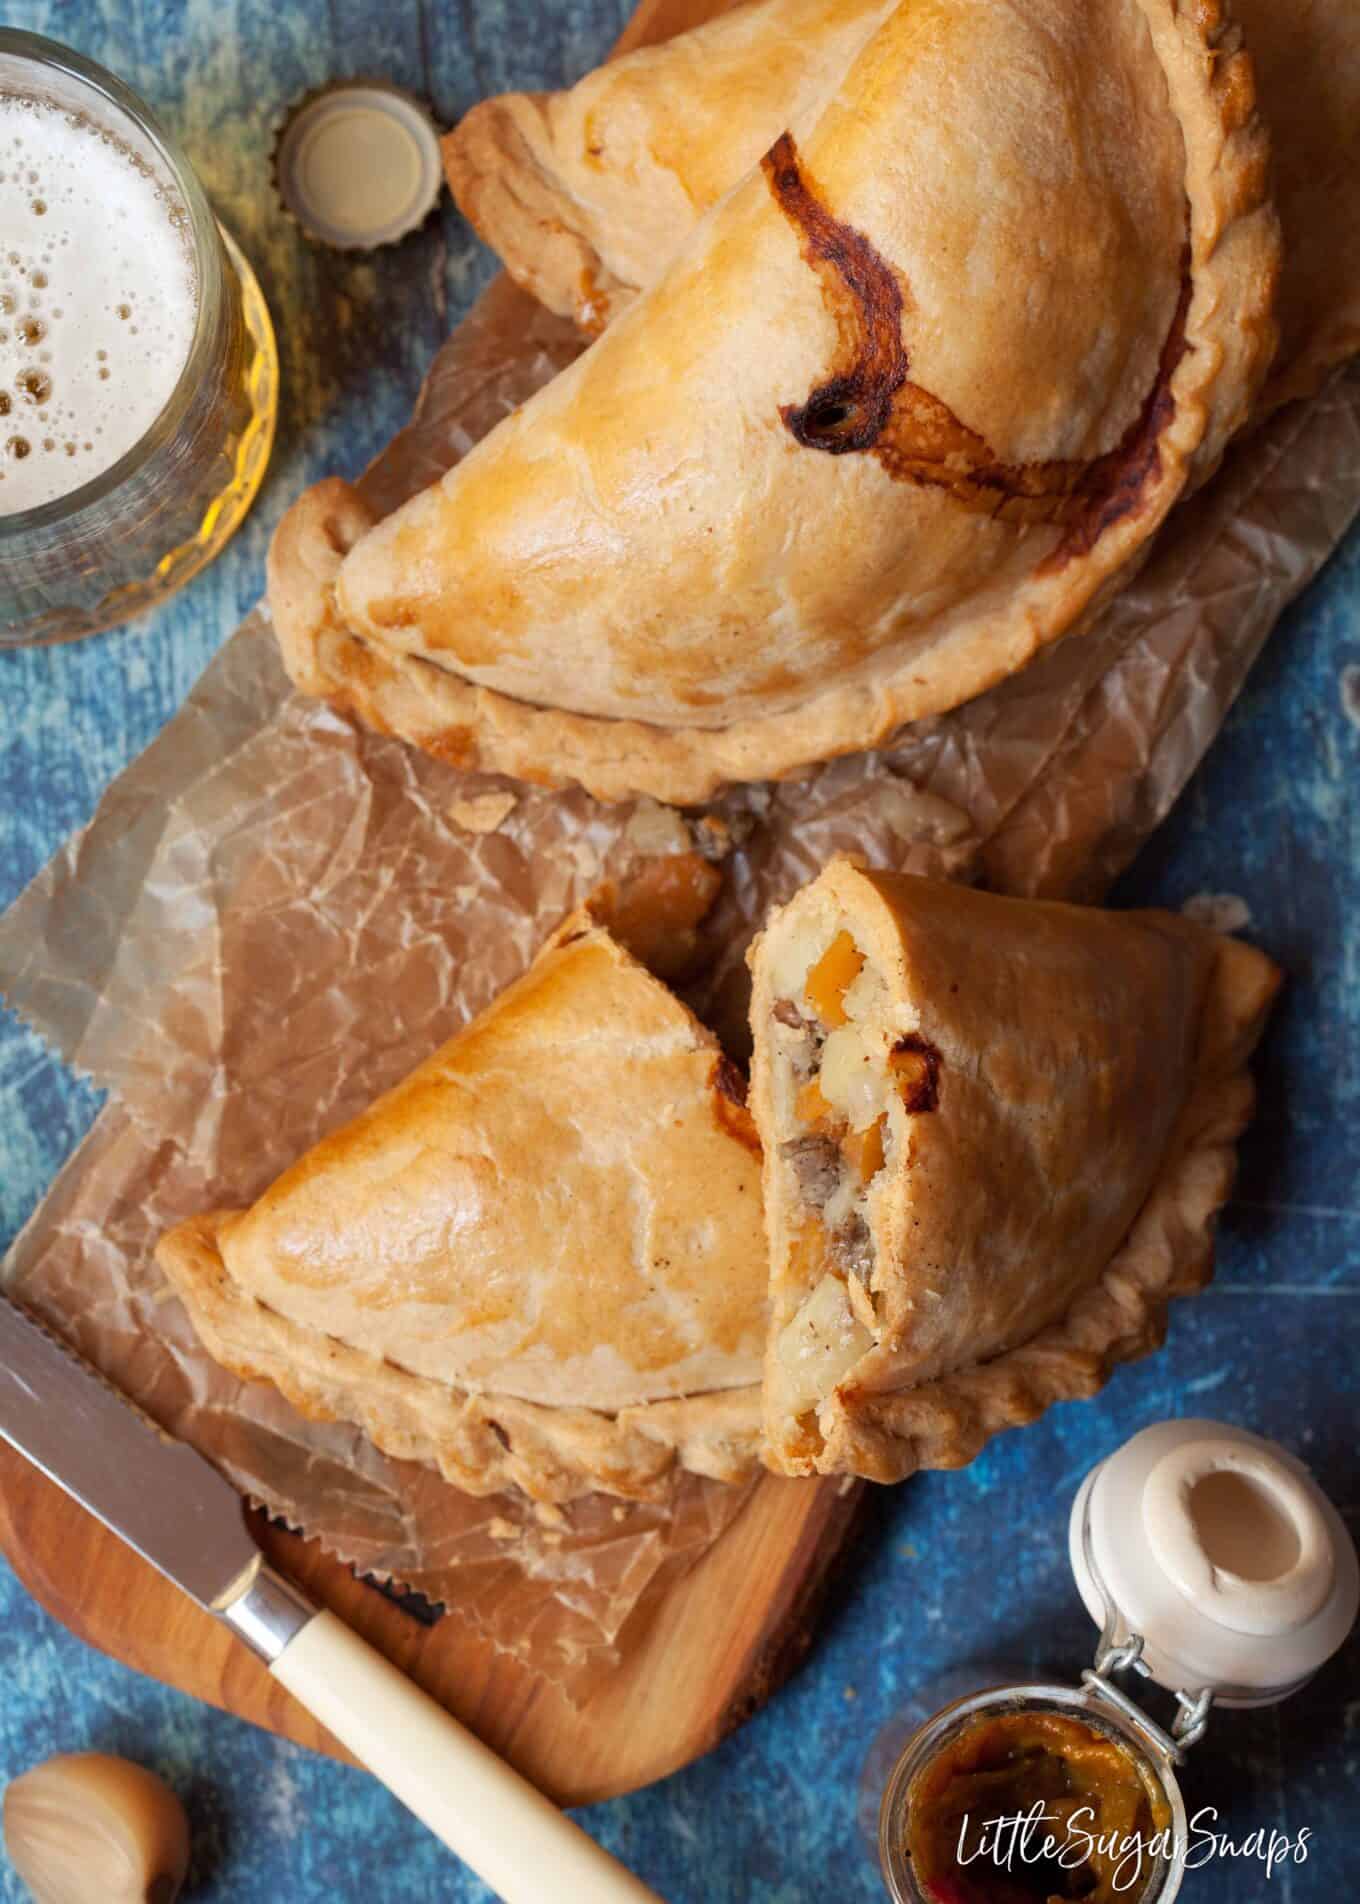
point(162, 1498)
point(157, 1494)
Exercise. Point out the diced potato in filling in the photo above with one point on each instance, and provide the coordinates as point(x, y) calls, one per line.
point(854, 1077)
point(820, 1346)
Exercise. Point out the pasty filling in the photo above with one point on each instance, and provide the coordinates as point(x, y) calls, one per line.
point(849, 1073)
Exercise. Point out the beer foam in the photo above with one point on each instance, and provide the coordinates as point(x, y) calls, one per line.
point(98, 300)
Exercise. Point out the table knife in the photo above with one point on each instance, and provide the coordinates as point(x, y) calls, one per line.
point(178, 1513)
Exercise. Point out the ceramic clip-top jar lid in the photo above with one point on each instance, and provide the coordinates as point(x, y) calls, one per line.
point(357, 164)
point(1220, 1550)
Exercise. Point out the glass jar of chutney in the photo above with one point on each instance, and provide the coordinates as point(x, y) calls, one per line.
point(1217, 1570)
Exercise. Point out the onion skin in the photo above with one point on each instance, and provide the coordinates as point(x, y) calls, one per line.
point(86, 1825)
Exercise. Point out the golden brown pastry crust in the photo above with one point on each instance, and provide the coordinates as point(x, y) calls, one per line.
point(538, 1260)
point(481, 1443)
point(1058, 1181)
point(584, 194)
point(673, 567)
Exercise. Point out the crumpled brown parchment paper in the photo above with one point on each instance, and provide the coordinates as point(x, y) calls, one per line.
point(273, 916)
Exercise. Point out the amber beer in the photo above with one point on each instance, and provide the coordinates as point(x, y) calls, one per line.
point(137, 371)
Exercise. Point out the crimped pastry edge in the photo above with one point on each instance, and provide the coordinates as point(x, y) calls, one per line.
point(482, 1443)
point(502, 189)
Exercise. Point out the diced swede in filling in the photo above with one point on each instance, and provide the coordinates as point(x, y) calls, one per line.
point(840, 1109)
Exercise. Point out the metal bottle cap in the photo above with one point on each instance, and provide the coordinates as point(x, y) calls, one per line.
point(357, 164)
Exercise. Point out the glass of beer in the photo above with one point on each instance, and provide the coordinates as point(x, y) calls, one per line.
point(138, 371)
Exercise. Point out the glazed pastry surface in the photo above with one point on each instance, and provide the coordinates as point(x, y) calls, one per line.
point(905, 404)
point(539, 1258)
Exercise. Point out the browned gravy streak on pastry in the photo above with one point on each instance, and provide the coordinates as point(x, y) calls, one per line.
point(1113, 484)
point(915, 436)
point(851, 410)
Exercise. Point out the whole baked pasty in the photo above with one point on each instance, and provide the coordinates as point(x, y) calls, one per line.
point(996, 1132)
point(908, 402)
point(539, 1260)
point(586, 193)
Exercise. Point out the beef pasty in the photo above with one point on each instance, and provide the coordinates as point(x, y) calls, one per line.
point(907, 403)
point(537, 1261)
point(586, 193)
point(996, 1132)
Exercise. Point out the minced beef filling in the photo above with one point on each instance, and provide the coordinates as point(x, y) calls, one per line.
point(816, 1163)
point(815, 1158)
point(851, 1246)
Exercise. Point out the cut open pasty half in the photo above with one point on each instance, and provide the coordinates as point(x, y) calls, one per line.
point(586, 193)
point(996, 1132)
point(907, 403)
point(537, 1261)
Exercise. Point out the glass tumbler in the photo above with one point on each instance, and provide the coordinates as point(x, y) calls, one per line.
point(125, 539)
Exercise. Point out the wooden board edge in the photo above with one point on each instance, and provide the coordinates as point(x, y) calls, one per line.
point(72, 1565)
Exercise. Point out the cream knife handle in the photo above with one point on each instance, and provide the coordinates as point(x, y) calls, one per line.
point(514, 1838)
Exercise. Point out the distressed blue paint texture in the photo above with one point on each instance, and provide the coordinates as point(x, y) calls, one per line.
point(955, 1566)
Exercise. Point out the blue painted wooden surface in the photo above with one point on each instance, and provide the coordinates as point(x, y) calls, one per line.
point(956, 1567)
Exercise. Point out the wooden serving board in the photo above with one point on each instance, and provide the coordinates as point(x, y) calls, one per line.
point(707, 1656)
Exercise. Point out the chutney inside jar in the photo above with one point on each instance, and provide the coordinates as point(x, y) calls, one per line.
point(1098, 1812)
